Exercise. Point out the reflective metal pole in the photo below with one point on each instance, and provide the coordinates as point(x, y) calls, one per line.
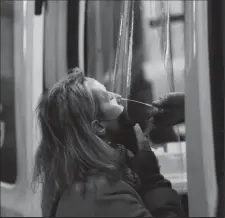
point(200, 150)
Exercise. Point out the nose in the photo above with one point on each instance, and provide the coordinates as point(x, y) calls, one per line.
point(117, 97)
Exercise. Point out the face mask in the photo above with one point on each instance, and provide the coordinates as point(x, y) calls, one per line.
point(124, 120)
point(126, 136)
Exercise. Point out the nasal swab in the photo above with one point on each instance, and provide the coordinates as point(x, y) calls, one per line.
point(125, 99)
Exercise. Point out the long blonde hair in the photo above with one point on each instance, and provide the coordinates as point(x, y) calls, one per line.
point(69, 149)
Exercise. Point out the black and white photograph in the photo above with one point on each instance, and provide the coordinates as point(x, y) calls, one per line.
point(112, 108)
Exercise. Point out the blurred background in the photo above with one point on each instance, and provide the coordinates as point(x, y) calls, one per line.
point(175, 46)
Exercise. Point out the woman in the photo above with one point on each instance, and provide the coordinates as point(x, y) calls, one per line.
point(82, 170)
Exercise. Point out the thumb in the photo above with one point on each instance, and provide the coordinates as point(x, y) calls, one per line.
point(142, 141)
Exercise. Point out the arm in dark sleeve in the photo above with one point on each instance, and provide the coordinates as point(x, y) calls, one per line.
point(163, 202)
point(157, 193)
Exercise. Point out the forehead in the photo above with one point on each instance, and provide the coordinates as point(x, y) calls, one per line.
point(96, 88)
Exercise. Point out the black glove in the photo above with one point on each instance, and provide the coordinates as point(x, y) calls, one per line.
point(171, 110)
point(163, 132)
point(156, 192)
point(145, 164)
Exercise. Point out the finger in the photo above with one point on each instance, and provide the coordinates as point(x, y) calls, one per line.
point(141, 139)
point(139, 133)
point(154, 110)
point(161, 101)
point(173, 98)
point(149, 127)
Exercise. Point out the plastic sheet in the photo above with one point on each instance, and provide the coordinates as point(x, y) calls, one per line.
point(166, 47)
point(123, 61)
point(116, 58)
point(167, 57)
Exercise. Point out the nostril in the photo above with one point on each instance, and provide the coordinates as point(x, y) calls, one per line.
point(119, 100)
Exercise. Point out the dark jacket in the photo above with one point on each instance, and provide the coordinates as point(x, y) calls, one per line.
point(118, 200)
point(153, 198)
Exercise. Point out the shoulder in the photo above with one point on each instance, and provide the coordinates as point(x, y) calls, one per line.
point(120, 199)
point(109, 200)
point(121, 190)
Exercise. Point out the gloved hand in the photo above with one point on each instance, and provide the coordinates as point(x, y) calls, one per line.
point(171, 110)
point(156, 192)
point(145, 163)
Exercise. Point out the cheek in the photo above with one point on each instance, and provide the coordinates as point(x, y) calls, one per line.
point(114, 102)
point(111, 111)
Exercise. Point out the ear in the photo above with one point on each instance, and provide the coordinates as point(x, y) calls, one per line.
point(98, 128)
